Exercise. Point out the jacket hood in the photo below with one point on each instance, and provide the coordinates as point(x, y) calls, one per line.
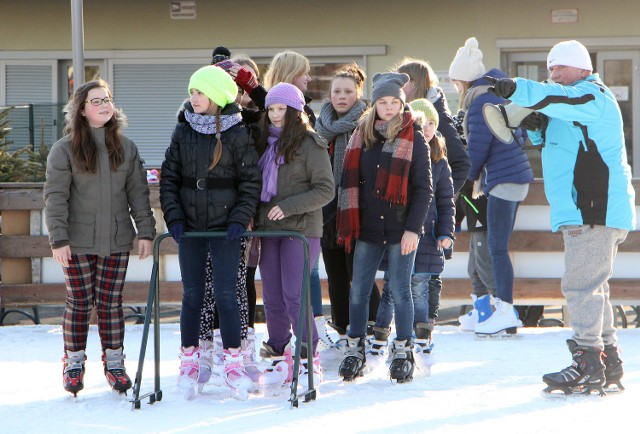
point(495, 73)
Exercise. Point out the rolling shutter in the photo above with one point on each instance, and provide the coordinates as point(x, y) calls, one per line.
point(150, 95)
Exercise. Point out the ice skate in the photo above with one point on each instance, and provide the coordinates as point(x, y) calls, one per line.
point(354, 362)
point(189, 368)
point(325, 341)
point(378, 351)
point(114, 370)
point(612, 369)
point(422, 347)
point(503, 323)
point(585, 376)
point(279, 375)
point(303, 372)
point(402, 362)
point(481, 311)
point(249, 359)
point(73, 371)
point(205, 363)
point(235, 376)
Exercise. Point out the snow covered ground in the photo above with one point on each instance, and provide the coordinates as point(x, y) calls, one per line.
point(474, 387)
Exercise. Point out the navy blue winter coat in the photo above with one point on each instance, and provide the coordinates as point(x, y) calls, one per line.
point(503, 163)
point(440, 221)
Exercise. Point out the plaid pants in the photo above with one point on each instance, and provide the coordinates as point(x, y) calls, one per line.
point(94, 280)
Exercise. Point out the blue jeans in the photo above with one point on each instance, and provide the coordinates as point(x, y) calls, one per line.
point(225, 257)
point(501, 216)
point(366, 260)
point(316, 289)
point(420, 294)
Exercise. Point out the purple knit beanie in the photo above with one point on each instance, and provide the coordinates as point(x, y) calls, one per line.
point(285, 93)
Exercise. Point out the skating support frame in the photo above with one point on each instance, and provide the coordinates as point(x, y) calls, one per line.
point(153, 307)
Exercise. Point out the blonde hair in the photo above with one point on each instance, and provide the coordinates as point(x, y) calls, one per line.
point(244, 60)
point(422, 75)
point(367, 125)
point(466, 85)
point(286, 67)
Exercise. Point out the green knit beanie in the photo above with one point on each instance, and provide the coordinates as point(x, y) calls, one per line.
point(215, 83)
point(424, 106)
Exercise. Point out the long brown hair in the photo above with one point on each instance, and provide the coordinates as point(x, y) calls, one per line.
point(422, 75)
point(294, 130)
point(217, 151)
point(83, 144)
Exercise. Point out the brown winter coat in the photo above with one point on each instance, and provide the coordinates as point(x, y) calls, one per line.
point(92, 212)
point(305, 185)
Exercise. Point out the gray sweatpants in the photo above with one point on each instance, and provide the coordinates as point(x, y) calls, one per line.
point(480, 267)
point(589, 253)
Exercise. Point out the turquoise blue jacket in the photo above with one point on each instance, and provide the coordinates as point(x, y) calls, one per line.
point(587, 179)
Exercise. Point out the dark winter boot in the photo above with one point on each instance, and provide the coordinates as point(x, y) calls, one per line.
point(584, 376)
point(402, 363)
point(354, 361)
point(422, 341)
point(73, 371)
point(613, 369)
point(114, 370)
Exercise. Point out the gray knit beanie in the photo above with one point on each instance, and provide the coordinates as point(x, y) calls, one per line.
point(388, 84)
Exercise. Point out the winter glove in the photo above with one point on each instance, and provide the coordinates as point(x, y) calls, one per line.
point(535, 122)
point(235, 231)
point(177, 231)
point(242, 76)
point(502, 87)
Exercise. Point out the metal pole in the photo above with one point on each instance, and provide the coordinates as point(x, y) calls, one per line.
point(77, 43)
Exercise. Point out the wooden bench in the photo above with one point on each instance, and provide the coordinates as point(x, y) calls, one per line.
point(25, 201)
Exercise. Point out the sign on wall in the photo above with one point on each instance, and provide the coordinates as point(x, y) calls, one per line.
point(183, 10)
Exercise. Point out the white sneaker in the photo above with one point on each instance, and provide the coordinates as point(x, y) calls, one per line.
point(503, 319)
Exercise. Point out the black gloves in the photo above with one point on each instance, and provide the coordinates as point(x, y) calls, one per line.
point(502, 87)
point(535, 122)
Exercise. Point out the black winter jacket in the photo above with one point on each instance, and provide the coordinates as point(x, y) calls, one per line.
point(187, 160)
point(382, 222)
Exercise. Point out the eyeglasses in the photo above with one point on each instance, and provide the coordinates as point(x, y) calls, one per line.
point(99, 101)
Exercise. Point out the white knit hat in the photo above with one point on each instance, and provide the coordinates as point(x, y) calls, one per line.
point(569, 53)
point(467, 65)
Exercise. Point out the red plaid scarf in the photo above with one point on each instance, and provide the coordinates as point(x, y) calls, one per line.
point(392, 178)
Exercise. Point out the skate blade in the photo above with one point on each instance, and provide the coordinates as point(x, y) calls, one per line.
point(584, 392)
point(271, 390)
point(613, 388)
point(239, 394)
point(188, 390)
point(500, 335)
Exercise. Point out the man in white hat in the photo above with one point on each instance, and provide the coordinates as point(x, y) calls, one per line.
point(588, 186)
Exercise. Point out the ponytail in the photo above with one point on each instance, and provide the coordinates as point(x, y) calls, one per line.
point(217, 151)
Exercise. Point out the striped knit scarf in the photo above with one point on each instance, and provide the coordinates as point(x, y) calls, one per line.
point(392, 178)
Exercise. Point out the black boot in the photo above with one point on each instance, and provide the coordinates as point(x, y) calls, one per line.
point(353, 364)
point(423, 337)
point(584, 376)
point(403, 363)
point(613, 369)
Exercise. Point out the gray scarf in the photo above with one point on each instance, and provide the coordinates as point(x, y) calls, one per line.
point(206, 124)
point(329, 126)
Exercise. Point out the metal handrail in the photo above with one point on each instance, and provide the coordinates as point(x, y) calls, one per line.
point(153, 304)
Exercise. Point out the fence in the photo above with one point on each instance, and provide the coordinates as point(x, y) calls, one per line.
point(33, 125)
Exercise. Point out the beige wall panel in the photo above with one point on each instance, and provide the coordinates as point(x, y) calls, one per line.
point(427, 29)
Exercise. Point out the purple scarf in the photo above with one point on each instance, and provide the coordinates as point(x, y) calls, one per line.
point(270, 166)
